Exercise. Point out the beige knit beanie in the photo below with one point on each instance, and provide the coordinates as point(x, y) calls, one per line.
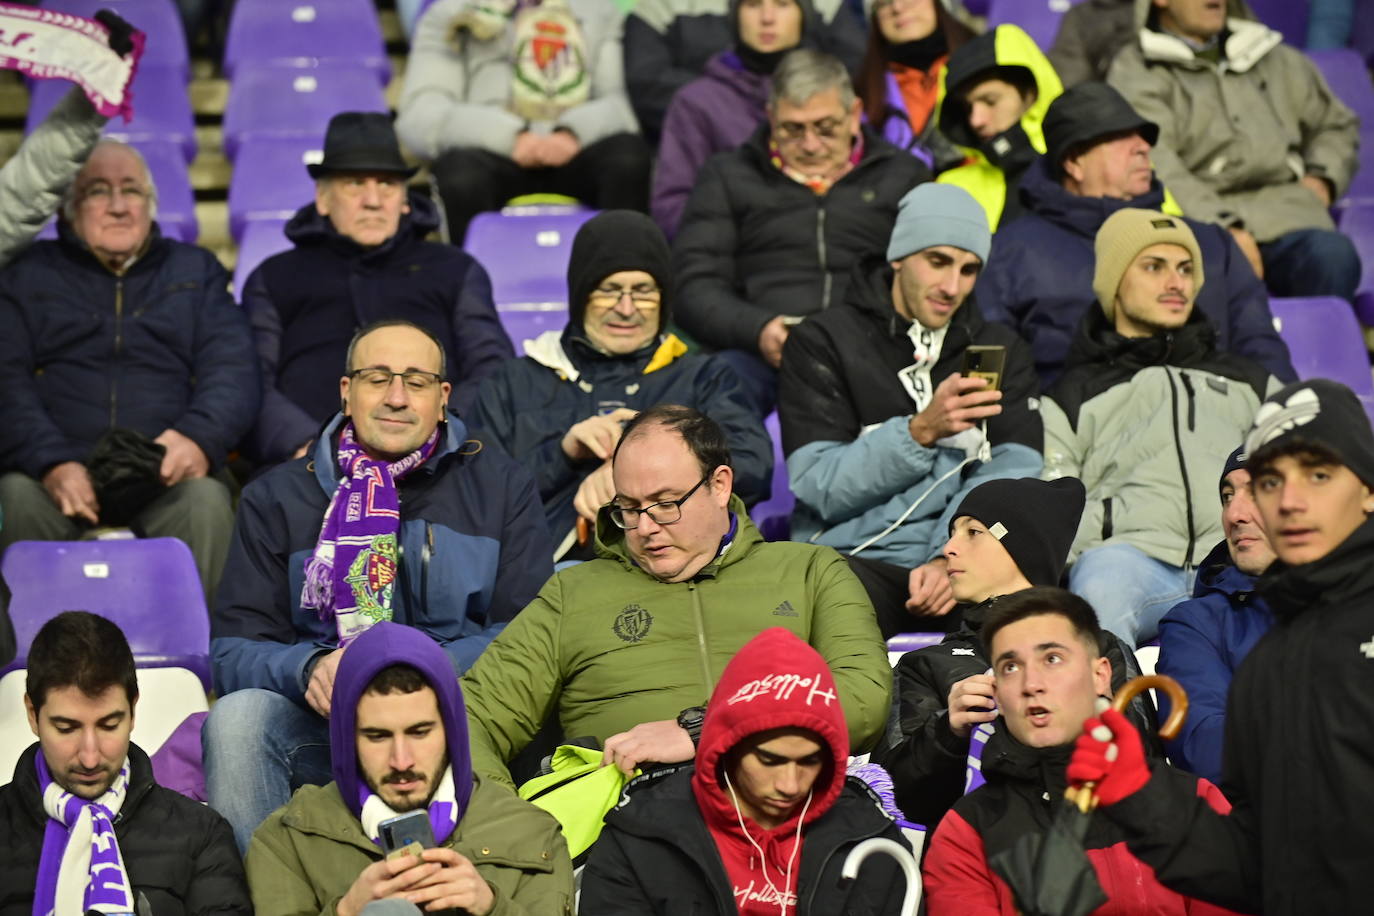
point(1127, 233)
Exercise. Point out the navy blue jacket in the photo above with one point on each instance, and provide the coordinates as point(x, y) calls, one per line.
point(474, 551)
point(306, 303)
point(1039, 277)
point(528, 405)
point(83, 351)
point(1202, 642)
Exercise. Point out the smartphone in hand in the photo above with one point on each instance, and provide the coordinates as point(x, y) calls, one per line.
point(985, 361)
point(406, 834)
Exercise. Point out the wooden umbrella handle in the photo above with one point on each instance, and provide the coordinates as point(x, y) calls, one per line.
point(1083, 795)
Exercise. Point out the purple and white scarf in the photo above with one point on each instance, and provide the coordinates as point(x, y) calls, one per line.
point(50, 44)
point(81, 868)
point(351, 575)
point(443, 810)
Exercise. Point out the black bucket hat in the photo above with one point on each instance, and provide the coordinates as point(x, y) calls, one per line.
point(361, 141)
point(1085, 113)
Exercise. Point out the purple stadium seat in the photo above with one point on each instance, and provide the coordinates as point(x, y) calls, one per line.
point(1286, 16)
point(270, 181)
point(306, 33)
point(525, 249)
point(524, 324)
point(162, 109)
point(1349, 78)
point(774, 515)
point(149, 587)
point(910, 642)
point(1040, 18)
point(176, 202)
point(1325, 341)
point(1357, 222)
point(261, 239)
point(159, 20)
point(278, 103)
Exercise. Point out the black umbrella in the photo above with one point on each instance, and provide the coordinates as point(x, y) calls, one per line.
point(1049, 874)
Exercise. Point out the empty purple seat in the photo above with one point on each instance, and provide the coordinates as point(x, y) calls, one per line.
point(773, 516)
point(1348, 77)
point(270, 181)
point(159, 20)
point(1357, 222)
point(149, 587)
point(176, 202)
point(281, 103)
point(1325, 341)
point(1286, 16)
point(306, 33)
point(525, 250)
point(910, 642)
point(162, 109)
point(261, 239)
point(1039, 18)
point(524, 324)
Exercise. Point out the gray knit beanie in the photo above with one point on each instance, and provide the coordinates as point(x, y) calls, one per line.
point(939, 214)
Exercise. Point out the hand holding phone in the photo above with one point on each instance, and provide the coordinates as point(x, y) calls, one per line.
point(406, 834)
point(985, 361)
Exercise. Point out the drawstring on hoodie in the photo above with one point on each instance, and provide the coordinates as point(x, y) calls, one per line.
point(763, 859)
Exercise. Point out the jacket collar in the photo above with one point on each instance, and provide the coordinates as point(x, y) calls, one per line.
point(1246, 43)
point(309, 229)
point(571, 355)
point(326, 468)
point(610, 542)
point(1083, 216)
point(1343, 576)
point(26, 783)
point(1097, 343)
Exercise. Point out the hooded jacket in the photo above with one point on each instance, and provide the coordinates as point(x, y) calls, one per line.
point(1039, 276)
point(1298, 759)
point(1024, 789)
point(180, 855)
point(681, 844)
point(307, 854)
point(474, 550)
point(306, 303)
point(83, 351)
point(994, 166)
point(1202, 642)
point(755, 244)
point(1235, 138)
point(606, 646)
point(1145, 422)
point(850, 457)
point(927, 761)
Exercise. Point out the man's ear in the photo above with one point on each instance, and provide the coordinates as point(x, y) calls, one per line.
point(722, 485)
point(32, 713)
point(1367, 504)
point(344, 382)
point(321, 198)
point(1073, 169)
point(1102, 676)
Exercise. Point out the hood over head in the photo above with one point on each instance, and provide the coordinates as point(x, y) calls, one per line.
point(612, 241)
point(1004, 46)
point(383, 645)
point(813, 33)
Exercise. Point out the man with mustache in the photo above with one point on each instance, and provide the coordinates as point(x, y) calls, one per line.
point(561, 408)
point(1203, 640)
point(84, 826)
point(884, 436)
point(1145, 412)
point(398, 742)
point(396, 515)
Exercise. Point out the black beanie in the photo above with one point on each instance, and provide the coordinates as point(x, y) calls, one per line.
point(1036, 521)
point(613, 241)
point(1234, 462)
point(1316, 412)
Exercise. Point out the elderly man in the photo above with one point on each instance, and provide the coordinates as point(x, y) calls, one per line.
point(1250, 137)
point(1039, 278)
point(626, 648)
point(773, 228)
point(360, 257)
point(396, 515)
point(399, 743)
point(115, 328)
point(560, 409)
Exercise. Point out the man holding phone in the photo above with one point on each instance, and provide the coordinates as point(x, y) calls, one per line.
point(405, 818)
point(898, 403)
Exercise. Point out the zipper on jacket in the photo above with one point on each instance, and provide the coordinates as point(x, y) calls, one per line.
point(820, 255)
point(707, 681)
point(1106, 518)
point(425, 553)
point(1182, 467)
point(1192, 400)
point(118, 342)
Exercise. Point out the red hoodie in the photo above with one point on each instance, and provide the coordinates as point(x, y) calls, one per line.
point(775, 681)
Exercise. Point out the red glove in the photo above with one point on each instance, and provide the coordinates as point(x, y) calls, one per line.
point(1110, 754)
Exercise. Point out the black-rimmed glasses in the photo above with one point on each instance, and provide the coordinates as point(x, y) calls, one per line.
point(380, 379)
point(663, 513)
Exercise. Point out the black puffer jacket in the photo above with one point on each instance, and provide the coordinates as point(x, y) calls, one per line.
point(927, 762)
point(180, 855)
point(754, 244)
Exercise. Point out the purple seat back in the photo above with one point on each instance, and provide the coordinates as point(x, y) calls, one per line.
point(1040, 18)
point(306, 33)
point(148, 587)
point(526, 324)
point(525, 250)
point(1348, 77)
point(270, 181)
point(1286, 16)
point(774, 515)
point(280, 103)
point(1357, 222)
point(1325, 341)
point(162, 109)
point(910, 642)
point(176, 202)
point(159, 20)
point(261, 239)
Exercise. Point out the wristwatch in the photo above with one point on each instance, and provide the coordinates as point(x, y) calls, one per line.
point(691, 720)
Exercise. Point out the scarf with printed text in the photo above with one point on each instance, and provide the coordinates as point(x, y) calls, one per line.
point(81, 868)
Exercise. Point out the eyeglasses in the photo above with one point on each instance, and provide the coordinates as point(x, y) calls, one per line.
point(642, 294)
point(824, 129)
point(102, 193)
point(664, 513)
point(415, 380)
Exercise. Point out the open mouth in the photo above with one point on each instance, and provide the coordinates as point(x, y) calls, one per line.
point(1039, 716)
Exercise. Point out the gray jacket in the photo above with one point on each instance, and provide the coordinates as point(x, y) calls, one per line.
point(457, 89)
point(1235, 138)
point(32, 183)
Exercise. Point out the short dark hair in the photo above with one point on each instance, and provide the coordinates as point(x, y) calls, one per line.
point(702, 434)
point(1043, 599)
point(395, 323)
point(82, 650)
point(1307, 452)
point(397, 678)
point(1020, 77)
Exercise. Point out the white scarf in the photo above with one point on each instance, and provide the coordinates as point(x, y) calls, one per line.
point(443, 810)
point(48, 44)
point(926, 346)
point(81, 868)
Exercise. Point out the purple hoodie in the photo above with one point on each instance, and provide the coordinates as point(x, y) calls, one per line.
point(713, 113)
point(383, 645)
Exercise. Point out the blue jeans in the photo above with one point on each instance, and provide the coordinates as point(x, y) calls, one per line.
point(1129, 590)
point(1311, 262)
point(259, 748)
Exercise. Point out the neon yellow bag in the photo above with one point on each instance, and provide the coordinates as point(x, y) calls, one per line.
point(578, 793)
